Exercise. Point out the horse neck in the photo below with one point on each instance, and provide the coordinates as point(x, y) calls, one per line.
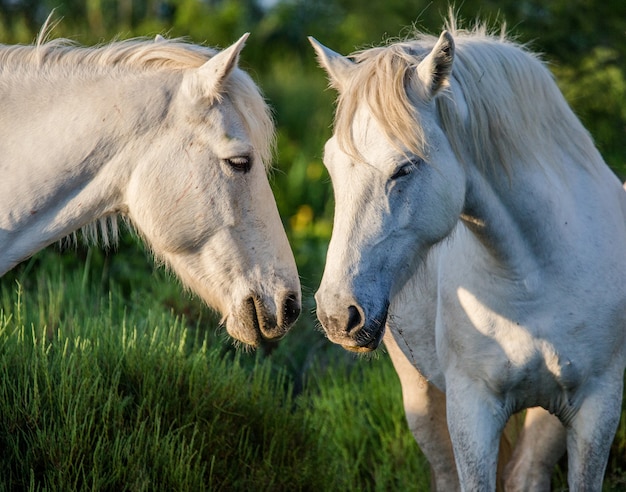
point(514, 215)
point(66, 156)
point(542, 217)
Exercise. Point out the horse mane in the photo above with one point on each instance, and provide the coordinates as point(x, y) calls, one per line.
point(68, 58)
point(515, 111)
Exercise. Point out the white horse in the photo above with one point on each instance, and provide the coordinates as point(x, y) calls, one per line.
point(172, 136)
point(480, 234)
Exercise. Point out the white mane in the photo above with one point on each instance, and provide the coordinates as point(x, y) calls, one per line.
point(65, 57)
point(515, 111)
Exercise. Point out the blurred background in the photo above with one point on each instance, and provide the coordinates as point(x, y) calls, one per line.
point(584, 42)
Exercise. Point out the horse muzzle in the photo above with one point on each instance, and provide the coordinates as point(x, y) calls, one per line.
point(351, 327)
point(257, 320)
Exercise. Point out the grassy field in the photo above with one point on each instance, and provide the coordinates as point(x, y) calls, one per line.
point(111, 381)
point(114, 390)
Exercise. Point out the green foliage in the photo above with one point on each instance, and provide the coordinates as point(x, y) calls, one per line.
point(132, 399)
point(595, 84)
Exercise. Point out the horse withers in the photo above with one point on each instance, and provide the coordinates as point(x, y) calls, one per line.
point(173, 137)
point(483, 238)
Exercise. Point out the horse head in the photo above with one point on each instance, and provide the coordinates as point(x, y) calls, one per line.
point(201, 198)
point(398, 185)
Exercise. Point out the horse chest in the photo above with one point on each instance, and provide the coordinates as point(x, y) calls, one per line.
point(524, 362)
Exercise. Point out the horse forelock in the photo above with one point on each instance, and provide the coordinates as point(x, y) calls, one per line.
point(515, 112)
point(71, 59)
point(379, 80)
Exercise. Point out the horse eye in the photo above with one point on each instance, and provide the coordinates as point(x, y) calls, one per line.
point(241, 163)
point(407, 168)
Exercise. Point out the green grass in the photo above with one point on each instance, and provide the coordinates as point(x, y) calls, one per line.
point(130, 386)
point(105, 391)
point(125, 401)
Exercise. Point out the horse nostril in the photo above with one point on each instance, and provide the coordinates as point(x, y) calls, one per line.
point(355, 320)
point(253, 312)
point(291, 309)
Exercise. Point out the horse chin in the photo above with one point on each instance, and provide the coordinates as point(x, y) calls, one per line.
point(250, 338)
point(360, 350)
point(370, 346)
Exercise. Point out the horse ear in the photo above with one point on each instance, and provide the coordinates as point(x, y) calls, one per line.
point(206, 81)
point(337, 66)
point(434, 70)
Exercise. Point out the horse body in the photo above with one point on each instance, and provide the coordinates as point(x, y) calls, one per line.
point(483, 238)
point(173, 137)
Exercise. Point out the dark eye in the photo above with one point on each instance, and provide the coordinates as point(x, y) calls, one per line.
point(406, 168)
point(240, 163)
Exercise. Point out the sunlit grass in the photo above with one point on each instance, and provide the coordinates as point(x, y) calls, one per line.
point(105, 392)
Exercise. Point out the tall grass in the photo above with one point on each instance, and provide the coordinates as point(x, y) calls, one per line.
point(132, 400)
point(107, 392)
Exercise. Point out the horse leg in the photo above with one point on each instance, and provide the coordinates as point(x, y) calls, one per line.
point(538, 449)
point(591, 432)
point(476, 419)
point(425, 409)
